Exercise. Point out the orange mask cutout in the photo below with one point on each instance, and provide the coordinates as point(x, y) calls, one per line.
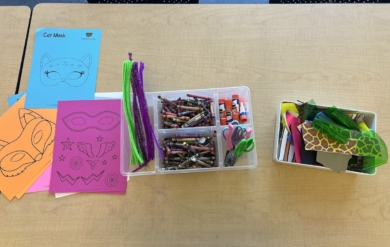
point(26, 147)
point(38, 134)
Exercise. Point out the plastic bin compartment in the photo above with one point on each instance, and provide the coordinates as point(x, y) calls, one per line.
point(126, 167)
point(370, 120)
point(210, 93)
point(201, 132)
point(244, 93)
point(246, 160)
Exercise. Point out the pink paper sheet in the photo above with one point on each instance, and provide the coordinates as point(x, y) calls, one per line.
point(42, 183)
point(293, 123)
point(86, 154)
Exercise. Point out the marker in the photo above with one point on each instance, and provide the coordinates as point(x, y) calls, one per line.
point(228, 105)
point(222, 108)
point(223, 121)
point(235, 103)
point(236, 116)
point(243, 117)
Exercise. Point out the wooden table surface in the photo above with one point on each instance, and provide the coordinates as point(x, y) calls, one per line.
point(13, 32)
point(335, 54)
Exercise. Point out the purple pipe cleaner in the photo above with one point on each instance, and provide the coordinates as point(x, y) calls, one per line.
point(142, 107)
point(145, 115)
point(144, 104)
point(145, 135)
point(140, 135)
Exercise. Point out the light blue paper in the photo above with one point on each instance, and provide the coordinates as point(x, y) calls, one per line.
point(64, 66)
point(14, 98)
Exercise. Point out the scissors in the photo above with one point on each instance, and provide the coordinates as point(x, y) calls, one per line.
point(238, 141)
point(234, 134)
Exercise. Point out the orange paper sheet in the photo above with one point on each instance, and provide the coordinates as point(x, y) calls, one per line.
point(26, 147)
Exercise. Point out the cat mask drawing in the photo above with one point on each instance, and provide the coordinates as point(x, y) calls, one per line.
point(74, 72)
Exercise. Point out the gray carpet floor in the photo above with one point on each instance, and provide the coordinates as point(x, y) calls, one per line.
point(32, 3)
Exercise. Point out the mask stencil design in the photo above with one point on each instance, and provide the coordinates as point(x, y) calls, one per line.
point(37, 132)
point(74, 72)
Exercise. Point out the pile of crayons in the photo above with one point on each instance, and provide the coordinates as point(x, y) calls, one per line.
point(195, 111)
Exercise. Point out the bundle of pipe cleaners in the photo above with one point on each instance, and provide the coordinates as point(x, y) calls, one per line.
point(140, 129)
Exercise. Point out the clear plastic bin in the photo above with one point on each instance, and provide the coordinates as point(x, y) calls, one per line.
point(370, 120)
point(246, 161)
